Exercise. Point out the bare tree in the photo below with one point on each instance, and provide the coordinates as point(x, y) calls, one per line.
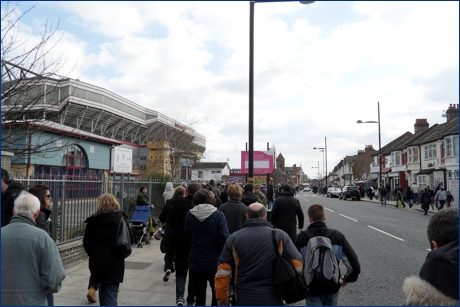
point(32, 89)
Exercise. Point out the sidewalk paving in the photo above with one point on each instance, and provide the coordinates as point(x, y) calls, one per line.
point(143, 281)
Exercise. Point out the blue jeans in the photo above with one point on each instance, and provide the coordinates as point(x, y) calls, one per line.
point(181, 263)
point(108, 294)
point(270, 204)
point(415, 198)
point(322, 300)
point(383, 200)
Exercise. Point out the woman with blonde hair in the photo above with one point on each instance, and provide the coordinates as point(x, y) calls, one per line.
point(106, 266)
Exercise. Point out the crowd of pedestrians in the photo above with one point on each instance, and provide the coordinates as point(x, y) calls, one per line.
point(220, 239)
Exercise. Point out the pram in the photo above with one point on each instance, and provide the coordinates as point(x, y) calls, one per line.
point(139, 225)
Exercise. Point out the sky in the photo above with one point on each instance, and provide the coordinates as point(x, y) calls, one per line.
point(318, 68)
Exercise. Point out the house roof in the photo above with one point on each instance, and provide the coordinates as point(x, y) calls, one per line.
point(436, 132)
point(207, 165)
point(388, 148)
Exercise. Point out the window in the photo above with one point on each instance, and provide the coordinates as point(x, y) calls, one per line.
point(430, 151)
point(422, 182)
point(413, 155)
point(200, 174)
point(396, 158)
point(451, 146)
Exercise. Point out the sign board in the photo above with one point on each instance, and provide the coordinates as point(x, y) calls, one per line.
point(122, 160)
point(263, 162)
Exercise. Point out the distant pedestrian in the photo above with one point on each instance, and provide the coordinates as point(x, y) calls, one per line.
point(441, 196)
point(449, 199)
point(261, 196)
point(270, 195)
point(426, 200)
point(382, 195)
point(206, 230)
point(10, 190)
point(285, 211)
point(415, 192)
point(388, 188)
point(437, 283)
point(408, 196)
point(31, 263)
point(399, 197)
point(249, 256)
point(106, 266)
point(318, 294)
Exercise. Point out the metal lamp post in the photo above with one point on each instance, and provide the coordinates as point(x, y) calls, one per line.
point(380, 145)
point(325, 152)
point(251, 88)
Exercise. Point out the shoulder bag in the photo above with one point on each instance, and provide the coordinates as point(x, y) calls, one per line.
point(122, 240)
point(291, 285)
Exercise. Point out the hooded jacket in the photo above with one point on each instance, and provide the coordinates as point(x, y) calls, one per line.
point(206, 231)
point(31, 263)
point(169, 191)
point(8, 198)
point(249, 198)
point(437, 284)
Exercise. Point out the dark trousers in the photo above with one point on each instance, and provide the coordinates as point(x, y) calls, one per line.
point(199, 281)
point(441, 204)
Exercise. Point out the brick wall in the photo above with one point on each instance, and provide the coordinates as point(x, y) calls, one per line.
point(72, 253)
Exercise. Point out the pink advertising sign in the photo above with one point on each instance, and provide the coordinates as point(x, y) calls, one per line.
point(263, 162)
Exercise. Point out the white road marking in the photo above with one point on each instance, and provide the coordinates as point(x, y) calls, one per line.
point(329, 209)
point(348, 217)
point(386, 233)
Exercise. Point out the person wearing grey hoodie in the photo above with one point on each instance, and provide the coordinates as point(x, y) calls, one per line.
point(206, 230)
point(169, 191)
point(441, 196)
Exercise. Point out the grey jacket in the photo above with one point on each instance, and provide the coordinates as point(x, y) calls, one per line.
point(27, 276)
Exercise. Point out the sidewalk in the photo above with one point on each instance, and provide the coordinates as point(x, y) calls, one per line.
point(143, 283)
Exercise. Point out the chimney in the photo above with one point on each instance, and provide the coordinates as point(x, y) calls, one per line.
point(421, 125)
point(452, 112)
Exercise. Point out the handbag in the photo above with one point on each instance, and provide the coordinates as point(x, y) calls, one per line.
point(122, 240)
point(291, 286)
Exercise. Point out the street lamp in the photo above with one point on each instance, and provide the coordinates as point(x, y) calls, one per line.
point(380, 145)
point(251, 87)
point(325, 152)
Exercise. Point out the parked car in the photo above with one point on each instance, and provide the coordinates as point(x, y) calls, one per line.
point(333, 192)
point(306, 189)
point(349, 191)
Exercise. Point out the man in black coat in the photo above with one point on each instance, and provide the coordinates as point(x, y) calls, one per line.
point(284, 212)
point(248, 195)
point(10, 191)
point(179, 242)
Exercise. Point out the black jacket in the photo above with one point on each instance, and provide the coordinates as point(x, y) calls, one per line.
point(177, 222)
point(8, 198)
point(42, 218)
point(249, 198)
point(99, 242)
point(235, 214)
point(284, 212)
point(341, 246)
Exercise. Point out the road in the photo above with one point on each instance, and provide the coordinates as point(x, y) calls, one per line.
point(391, 244)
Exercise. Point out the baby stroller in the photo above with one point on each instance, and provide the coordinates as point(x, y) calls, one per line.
point(139, 225)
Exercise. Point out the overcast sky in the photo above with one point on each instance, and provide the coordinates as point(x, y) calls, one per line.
point(318, 68)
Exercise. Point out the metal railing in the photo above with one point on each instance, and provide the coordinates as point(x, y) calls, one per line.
point(75, 199)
